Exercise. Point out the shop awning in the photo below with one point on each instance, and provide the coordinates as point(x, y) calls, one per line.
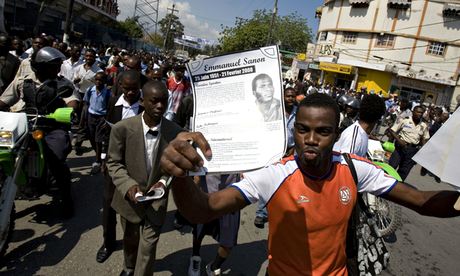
point(451, 10)
point(399, 4)
point(336, 68)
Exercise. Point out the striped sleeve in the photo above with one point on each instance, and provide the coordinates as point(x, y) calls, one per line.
point(353, 139)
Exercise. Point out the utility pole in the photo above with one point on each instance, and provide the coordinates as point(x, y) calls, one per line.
point(68, 22)
point(135, 9)
point(169, 24)
point(272, 22)
point(156, 18)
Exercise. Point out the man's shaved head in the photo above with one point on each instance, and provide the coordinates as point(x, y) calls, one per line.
point(133, 63)
point(154, 85)
point(130, 74)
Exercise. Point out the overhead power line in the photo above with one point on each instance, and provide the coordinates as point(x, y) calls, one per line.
point(393, 60)
point(396, 49)
point(372, 50)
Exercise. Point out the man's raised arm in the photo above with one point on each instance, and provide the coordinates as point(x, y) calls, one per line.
point(197, 206)
point(428, 203)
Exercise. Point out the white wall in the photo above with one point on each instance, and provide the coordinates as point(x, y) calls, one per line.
point(435, 27)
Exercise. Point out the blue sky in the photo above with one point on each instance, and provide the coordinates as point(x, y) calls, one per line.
point(203, 18)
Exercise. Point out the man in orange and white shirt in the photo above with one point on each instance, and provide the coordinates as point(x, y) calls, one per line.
point(310, 196)
point(178, 88)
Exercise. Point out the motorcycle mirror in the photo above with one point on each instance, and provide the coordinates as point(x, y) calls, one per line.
point(64, 92)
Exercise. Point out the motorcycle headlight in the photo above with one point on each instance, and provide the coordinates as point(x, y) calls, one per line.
point(6, 138)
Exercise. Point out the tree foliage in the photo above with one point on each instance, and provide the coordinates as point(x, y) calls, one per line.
point(176, 28)
point(131, 27)
point(291, 32)
point(155, 38)
point(211, 50)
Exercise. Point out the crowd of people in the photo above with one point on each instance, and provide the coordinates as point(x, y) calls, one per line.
point(135, 107)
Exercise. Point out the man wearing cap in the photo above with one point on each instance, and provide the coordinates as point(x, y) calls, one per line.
point(40, 90)
point(409, 135)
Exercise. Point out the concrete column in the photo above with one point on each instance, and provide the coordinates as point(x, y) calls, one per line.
point(354, 83)
point(321, 78)
point(453, 102)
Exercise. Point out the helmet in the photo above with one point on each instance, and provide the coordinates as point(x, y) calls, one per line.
point(343, 100)
point(44, 57)
point(49, 55)
point(353, 102)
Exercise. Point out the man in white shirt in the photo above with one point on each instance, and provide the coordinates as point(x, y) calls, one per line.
point(131, 139)
point(83, 79)
point(312, 89)
point(70, 65)
point(354, 138)
point(125, 106)
point(17, 48)
point(327, 89)
point(84, 74)
point(25, 69)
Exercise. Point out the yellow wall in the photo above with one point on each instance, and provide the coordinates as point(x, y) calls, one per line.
point(374, 80)
point(329, 77)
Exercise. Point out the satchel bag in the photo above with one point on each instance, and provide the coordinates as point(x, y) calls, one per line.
point(366, 250)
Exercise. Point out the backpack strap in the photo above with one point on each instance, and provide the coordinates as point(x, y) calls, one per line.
point(360, 201)
point(352, 244)
point(351, 166)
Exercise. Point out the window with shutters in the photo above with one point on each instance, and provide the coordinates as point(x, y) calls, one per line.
point(349, 37)
point(436, 48)
point(385, 41)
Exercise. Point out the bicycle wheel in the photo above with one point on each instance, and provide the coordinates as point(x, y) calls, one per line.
point(387, 215)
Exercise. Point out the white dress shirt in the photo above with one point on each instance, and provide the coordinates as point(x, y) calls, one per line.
point(68, 68)
point(128, 110)
point(151, 143)
point(86, 76)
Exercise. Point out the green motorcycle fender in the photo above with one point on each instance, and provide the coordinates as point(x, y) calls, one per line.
point(7, 162)
point(389, 170)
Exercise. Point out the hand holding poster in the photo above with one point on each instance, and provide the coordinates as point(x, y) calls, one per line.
point(238, 108)
point(441, 154)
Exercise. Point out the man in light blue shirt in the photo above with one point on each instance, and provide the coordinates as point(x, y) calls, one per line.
point(290, 110)
point(96, 99)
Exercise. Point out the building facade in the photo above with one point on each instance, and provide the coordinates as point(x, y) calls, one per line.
point(403, 46)
point(92, 20)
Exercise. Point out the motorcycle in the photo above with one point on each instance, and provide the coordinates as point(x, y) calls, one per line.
point(22, 160)
point(387, 214)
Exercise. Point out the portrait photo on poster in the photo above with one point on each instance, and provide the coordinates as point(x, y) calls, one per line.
point(238, 108)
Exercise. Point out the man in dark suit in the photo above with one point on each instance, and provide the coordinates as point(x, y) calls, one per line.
point(9, 64)
point(135, 148)
point(119, 108)
point(133, 63)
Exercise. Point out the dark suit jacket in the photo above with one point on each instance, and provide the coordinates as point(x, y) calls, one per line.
point(8, 68)
point(113, 116)
point(114, 112)
point(127, 167)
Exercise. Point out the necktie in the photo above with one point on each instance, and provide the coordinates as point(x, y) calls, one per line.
point(154, 133)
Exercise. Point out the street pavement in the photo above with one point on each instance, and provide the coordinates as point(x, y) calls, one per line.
point(44, 245)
